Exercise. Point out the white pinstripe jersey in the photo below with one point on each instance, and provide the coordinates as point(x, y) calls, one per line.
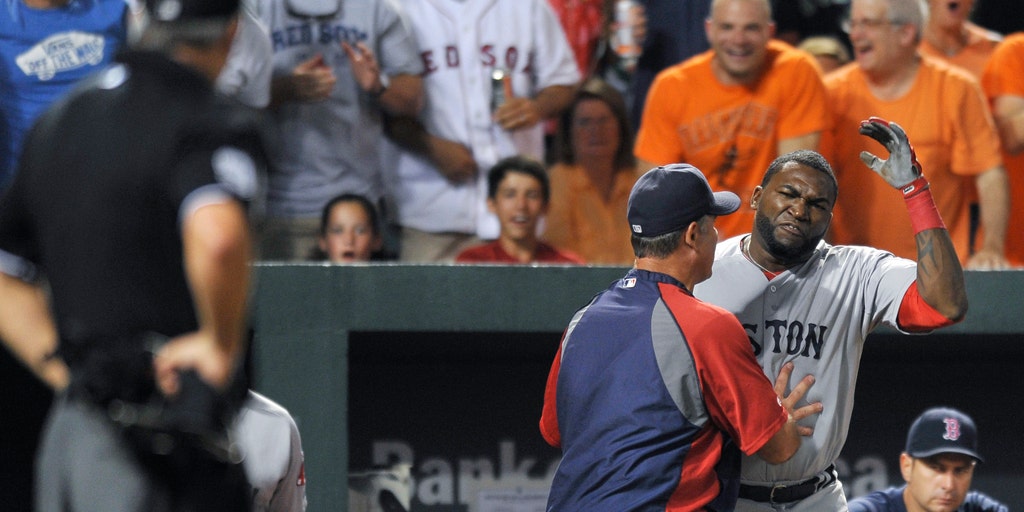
point(461, 42)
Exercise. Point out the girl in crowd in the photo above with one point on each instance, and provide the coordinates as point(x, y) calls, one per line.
point(349, 231)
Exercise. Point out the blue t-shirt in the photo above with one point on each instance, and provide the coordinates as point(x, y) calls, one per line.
point(891, 500)
point(45, 52)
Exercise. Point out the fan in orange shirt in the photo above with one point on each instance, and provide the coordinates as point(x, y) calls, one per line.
point(950, 36)
point(731, 110)
point(941, 107)
point(1004, 87)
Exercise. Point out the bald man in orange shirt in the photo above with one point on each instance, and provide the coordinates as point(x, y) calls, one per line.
point(731, 110)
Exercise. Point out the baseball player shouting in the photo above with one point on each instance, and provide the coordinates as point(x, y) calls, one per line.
point(804, 301)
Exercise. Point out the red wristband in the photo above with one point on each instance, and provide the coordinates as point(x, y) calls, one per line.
point(914, 187)
point(921, 206)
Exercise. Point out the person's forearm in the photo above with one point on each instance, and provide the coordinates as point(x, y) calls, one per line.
point(940, 277)
point(552, 100)
point(408, 133)
point(217, 256)
point(994, 201)
point(28, 330)
point(1009, 115)
point(404, 96)
point(282, 90)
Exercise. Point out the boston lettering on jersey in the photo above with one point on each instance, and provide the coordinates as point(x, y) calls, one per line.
point(791, 336)
point(490, 56)
point(305, 34)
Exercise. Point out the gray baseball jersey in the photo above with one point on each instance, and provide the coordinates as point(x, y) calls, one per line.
point(816, 315)
point(246, 74)
point(272, 451)
point(461, 43)
point(331, 147)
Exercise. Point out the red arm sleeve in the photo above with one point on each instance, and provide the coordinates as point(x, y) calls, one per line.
point(549, 415)
point(916, 315)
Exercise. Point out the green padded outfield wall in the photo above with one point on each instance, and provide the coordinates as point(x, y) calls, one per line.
point(445, 365)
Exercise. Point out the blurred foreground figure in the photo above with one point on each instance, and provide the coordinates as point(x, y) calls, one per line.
point(124, 271)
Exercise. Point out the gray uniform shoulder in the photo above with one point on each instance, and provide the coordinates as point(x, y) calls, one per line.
point(260, 404)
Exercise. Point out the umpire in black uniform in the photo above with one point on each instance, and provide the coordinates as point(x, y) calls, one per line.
point(124, 271)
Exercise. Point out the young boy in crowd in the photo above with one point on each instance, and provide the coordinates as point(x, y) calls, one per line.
point(517, 193)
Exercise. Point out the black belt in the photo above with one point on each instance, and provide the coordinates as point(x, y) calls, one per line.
point(787, 493)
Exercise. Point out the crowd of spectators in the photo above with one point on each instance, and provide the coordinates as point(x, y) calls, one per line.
point(408, 105)
point(502, 131)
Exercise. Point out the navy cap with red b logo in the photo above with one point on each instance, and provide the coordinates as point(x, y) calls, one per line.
point(943, 430)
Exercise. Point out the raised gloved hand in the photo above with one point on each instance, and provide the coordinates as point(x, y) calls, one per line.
point(901, 169)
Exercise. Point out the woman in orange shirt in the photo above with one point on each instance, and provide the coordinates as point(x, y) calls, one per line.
point(591, 180)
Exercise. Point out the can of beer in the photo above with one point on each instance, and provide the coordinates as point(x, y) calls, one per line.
point(501, 87)
point(625, 45)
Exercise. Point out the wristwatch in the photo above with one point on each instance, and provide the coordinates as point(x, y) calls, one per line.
point(385, 81)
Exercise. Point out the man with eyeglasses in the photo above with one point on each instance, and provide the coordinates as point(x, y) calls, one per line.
point(731, 110)
point(942, 107)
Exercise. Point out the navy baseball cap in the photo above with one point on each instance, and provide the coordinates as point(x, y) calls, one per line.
point(168, 11)
point(670, 197)
point(942, 430)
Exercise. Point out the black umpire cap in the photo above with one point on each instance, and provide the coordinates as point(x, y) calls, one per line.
point(170, 11)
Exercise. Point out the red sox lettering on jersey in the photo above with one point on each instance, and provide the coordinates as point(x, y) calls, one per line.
point(460, 44)
point(490, 56)
point(308, 33)
point(329, 147)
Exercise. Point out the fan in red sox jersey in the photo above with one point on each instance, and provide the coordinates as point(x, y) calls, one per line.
point(806, 302)
point(440, 192)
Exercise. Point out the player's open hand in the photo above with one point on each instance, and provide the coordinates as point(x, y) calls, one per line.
point(902, 167)
point(365, 68)
point(792, 401)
